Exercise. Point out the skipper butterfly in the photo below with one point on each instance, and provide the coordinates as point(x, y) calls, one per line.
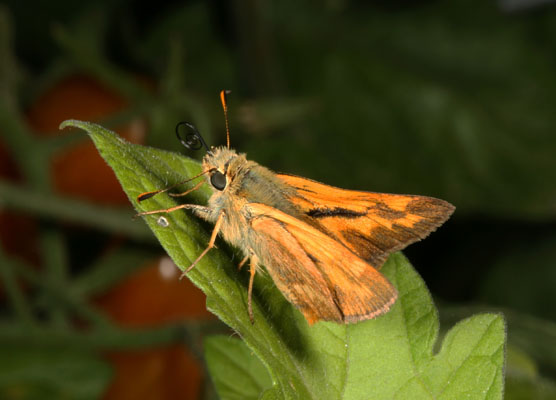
point(322, 246)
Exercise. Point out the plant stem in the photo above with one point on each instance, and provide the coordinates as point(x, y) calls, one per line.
point(13, 290)
point(60, 208)
point(54, 259)
point(102, 339)
point(57, 290)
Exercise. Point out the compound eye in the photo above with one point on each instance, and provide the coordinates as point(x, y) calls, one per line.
point(218, 180)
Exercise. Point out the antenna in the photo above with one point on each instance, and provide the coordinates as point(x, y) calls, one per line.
point(224, 101)
point(192, 141)
point(148, 195)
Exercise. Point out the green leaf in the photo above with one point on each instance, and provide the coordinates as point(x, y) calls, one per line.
point(530, 341)
point(390, 357)
point(236, 372)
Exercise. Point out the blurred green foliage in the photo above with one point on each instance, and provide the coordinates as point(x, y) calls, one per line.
point(451, 99)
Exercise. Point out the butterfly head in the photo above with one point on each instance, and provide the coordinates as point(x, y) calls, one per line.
point(222, 166)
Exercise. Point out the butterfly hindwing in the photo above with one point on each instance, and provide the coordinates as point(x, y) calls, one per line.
point(319, 275)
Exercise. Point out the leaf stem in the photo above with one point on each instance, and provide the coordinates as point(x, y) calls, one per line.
point(58, 291)
point(54, 258)
point(14, 292)
point(101, 338)
point(60, 208)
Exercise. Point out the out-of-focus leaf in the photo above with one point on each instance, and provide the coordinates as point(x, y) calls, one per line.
point(523, 381)
point(50, 373)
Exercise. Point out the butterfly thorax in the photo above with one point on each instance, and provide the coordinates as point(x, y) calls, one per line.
point(246, 182)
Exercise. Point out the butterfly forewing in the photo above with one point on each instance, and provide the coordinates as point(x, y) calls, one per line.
point(372, 225)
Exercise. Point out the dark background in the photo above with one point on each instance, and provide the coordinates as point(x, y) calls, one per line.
point(455, 100)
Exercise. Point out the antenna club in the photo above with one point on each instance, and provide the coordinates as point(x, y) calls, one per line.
point(145, 196)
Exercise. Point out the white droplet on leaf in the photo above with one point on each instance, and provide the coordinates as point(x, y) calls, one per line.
point(163, 222)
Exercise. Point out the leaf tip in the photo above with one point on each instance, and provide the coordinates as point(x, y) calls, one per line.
point(70, 123)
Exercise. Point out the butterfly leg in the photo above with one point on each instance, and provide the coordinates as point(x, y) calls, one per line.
point(253, 268)
point(203, 212)
point(243, 262)
point(215, 231)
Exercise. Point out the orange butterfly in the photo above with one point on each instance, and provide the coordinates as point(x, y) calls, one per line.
point(322, 246)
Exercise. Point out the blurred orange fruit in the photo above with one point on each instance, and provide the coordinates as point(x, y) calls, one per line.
point(155, 295)
point(159, 374)
point(78, 170)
